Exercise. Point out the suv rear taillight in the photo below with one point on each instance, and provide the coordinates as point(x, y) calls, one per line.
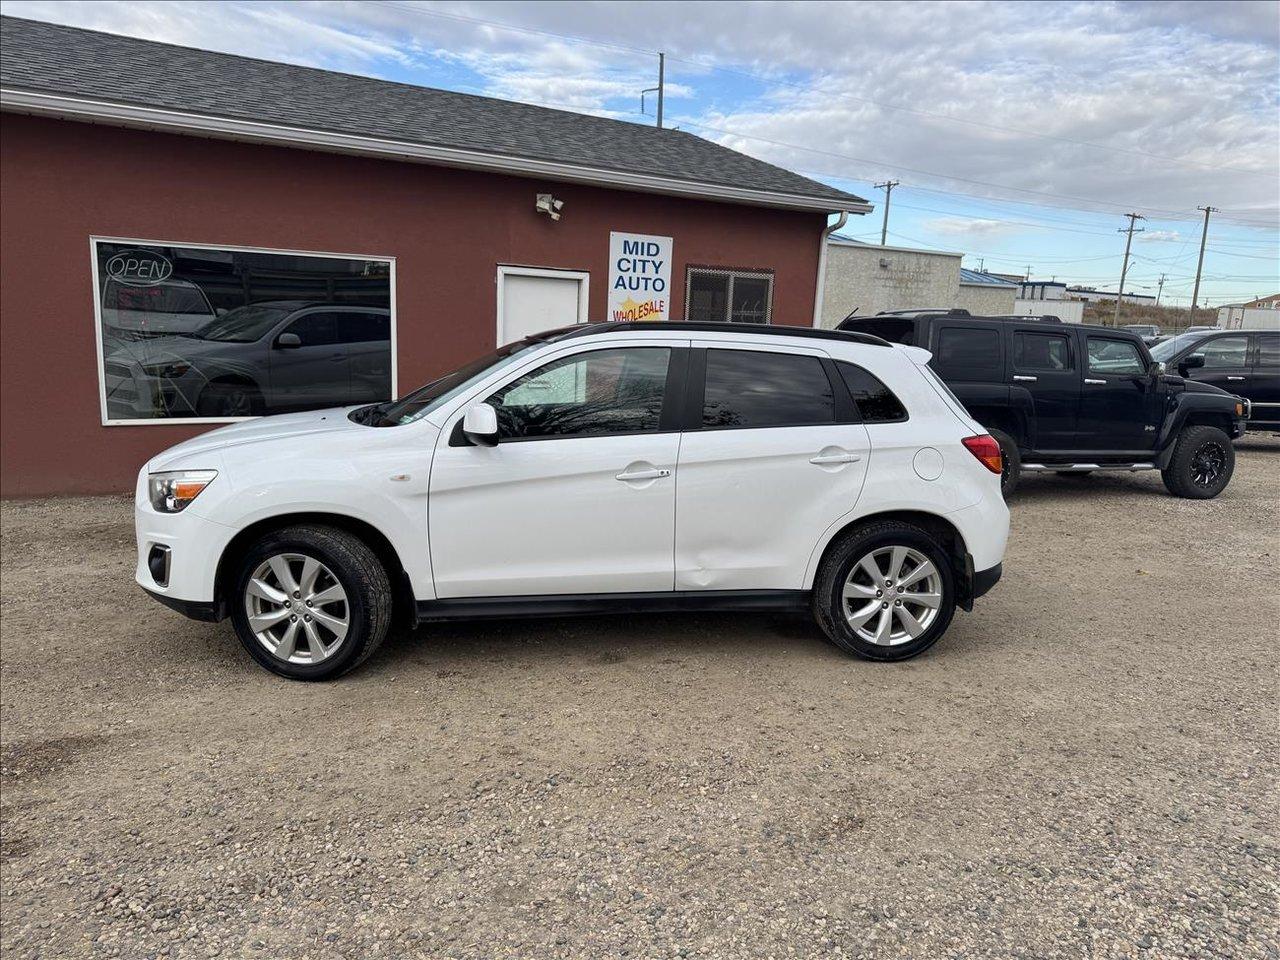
point(985, 448)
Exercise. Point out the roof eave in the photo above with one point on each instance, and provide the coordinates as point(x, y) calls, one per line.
point(172, 121)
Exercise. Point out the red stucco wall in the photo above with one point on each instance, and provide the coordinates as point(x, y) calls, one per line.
point(61, 182)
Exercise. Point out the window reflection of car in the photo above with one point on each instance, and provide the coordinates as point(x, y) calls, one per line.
point(157, 310)
point(262, 358)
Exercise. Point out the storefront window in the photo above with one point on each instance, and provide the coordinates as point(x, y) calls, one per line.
point(204, 333)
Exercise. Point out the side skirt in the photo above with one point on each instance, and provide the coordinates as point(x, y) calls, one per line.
point(585, 604)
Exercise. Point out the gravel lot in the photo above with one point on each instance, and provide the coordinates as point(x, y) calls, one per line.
point(1086, 766)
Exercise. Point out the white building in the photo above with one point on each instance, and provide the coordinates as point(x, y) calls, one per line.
point(864, 280)
point(1094, 295)
point(1047, 298)
point(1260, 314)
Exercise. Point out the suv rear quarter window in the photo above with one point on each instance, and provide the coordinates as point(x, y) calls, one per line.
point(876, 403)
point(968, 353)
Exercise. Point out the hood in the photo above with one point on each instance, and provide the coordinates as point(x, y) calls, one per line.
point(1195, 386)
point(286, 426)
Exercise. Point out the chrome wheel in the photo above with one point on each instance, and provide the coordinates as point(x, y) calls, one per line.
point(297, 608)
point(892, 595)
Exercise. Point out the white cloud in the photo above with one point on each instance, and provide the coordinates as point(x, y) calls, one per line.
point(1151, 236)
point(986, 94)
point(970, 227)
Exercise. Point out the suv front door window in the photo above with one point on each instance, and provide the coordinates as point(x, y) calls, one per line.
point(1226, 362)
point(578, 496)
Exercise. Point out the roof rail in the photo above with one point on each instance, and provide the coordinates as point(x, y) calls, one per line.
point(678, 326)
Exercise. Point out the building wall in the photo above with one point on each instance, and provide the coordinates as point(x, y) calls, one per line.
point(1068, 311)
point(982, 298)
point(872, 279)
point(448, 230)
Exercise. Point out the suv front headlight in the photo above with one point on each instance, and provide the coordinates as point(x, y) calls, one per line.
point(173, 490)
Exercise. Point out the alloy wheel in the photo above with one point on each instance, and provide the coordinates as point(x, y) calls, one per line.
point(1208, 463)
point(892, 595)
point(297, 608)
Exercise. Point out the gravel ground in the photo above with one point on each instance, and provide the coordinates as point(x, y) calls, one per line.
point(1086, 766)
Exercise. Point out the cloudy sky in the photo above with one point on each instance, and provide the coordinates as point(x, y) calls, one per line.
point(1021, 132)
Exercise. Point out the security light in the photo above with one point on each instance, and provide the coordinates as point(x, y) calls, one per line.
point(549, 205)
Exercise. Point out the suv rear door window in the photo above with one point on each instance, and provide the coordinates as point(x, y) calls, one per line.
point(746, 388)
point(968, 353)
point(1269, 349)
point(1115, 357)
point(1041, 351)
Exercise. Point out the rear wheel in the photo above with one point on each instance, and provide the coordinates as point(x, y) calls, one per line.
point(1202, 463)
point(311, 602)
point(1010, 462)
point(885, 591)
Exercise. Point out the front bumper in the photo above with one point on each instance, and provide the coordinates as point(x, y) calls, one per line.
point(195, 546)
point(192, 609)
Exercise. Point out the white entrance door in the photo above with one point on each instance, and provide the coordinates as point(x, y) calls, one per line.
point(531, 300)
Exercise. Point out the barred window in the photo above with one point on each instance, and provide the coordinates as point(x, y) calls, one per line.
point(733, 296)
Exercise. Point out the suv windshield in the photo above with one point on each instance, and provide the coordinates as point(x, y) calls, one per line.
point(241, 325)
point(1163, 351)
point(422, 401)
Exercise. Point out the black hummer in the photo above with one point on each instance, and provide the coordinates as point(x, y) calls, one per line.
point(1074, 398)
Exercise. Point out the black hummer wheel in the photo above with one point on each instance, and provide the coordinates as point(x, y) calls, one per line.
point(1011, 461)
point(1202, 463)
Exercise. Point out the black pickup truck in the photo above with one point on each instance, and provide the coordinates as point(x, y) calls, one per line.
point(1071, 398)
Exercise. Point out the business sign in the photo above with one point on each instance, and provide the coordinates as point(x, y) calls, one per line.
point(139, 268)
point(639, 277)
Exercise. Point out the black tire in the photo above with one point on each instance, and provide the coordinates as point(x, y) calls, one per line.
point(1011, 462)
point(230, 400)
point(357, 569)
point(839, 563)
point(1202, 463)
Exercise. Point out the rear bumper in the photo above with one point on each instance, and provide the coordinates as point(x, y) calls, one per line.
point(984, 580)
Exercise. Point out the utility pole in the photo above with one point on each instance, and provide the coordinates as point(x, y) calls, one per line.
point(887, 186)
point(1028, 276)
point(982, 264)
point(1159, 289)
point(1124, 269)
point(660, 89)
point(1195, 293)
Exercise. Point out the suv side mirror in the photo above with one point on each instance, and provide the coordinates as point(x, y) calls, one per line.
point(288, 341)
point(1193, 362)
point(1156, 369)
point(480, 425)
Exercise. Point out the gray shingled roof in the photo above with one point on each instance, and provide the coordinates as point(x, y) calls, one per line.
point(51, 59)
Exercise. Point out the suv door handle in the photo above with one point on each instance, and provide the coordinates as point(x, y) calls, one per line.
point(1235, 378)
point(1018, 376)
point(825, 458)
point(1087, 380)
point(653, 474)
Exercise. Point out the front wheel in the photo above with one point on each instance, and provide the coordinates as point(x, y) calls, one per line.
point(885, 591)
point(1202, 463)
point(311, 602)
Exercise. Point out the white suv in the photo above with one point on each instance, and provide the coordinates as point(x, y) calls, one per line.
point(603, 467)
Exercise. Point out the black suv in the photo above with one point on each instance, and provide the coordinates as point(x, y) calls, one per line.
point(1074, 398)
point(1246, 362)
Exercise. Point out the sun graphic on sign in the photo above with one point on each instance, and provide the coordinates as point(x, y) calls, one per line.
point(628, 305)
